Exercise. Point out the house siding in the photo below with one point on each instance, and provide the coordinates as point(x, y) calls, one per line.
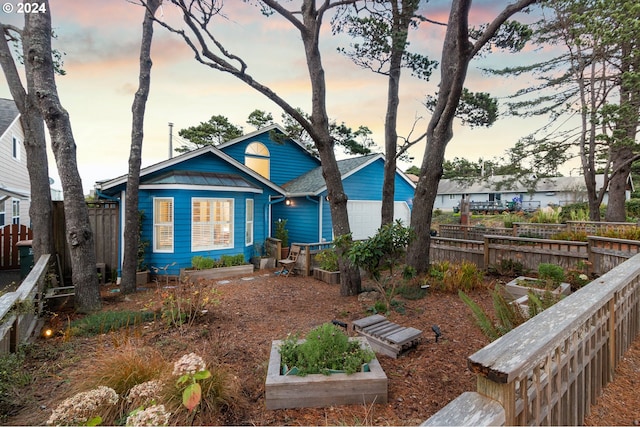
point(287, 161)
point(14, 173)
point(302, 219)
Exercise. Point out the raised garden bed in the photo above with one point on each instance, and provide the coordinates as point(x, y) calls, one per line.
point(317, 390)
point(331, 277)
point(215, 273)
point(518, 287)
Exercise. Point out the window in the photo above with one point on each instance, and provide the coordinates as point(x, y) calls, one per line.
point(15, 212)
point(163, 225)
point(1, 213)
point(256, 158)
point(15, 148)
point(248, 236)
point(211, 224)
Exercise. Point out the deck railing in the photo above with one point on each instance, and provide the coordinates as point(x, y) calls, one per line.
point(553, 367)
point(19, 310)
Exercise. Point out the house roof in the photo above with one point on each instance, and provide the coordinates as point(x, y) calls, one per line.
point(493, 184)
point(273, 127)
point(108, 184)
point(313, 183)
point(6, 192)
point(8, 114)
point(195, 178)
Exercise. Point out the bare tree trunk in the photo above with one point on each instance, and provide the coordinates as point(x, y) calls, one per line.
point(36, 149)
point(457, 52)
point(39, 65)
point(131, 216)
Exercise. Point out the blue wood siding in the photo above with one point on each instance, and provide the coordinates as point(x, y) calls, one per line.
point(302, 219)
point(366, 184)
point(287, 160)
point(182, 252)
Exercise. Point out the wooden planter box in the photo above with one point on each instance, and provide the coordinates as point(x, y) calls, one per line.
point(331, 277)
point(262, 263)
point(317, 390)
point(142, 278)
point(517, 290)
point(215, 273)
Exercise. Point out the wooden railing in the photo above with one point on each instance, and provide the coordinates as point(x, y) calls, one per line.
point(471, 232)
point(457, 251)
point(19, 310)
point(306, 261)
point(553, 367)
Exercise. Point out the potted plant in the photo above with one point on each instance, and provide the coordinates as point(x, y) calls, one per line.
point(282, 234)
point(328, 269)
point(330, 369)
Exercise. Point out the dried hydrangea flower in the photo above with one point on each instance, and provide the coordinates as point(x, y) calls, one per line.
point(77, 409)
point(155, 415)
point(144, 392)
point(189, 364)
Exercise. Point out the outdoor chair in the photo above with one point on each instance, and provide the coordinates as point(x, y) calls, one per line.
point(288, 264)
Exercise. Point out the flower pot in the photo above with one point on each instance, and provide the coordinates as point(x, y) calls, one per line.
point(284, 252)
point(142, 278)
point(317, 390)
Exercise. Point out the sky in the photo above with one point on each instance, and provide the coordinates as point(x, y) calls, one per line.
point(101, 42)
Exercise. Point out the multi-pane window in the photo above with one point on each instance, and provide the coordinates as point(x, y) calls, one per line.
point(256, 158)
point(15, 212)
point(163, 225)
point(211, 224)
point(1, 213)
point(248, 238)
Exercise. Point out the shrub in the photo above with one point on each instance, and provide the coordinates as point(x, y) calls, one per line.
point(572, 210)
point(633, 208)
point(183, 304)
point(200, 262)
point(327, 259)
point(546, 216)
point(575, 236)
point(108, 321)
point(326, 348)
point(13, 377)
point(449, 277)
point(551, 273)
point(507, 267)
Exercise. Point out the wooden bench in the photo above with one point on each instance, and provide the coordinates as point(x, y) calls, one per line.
point(387, 337)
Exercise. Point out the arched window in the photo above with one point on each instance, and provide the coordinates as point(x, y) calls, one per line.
point(256, 158)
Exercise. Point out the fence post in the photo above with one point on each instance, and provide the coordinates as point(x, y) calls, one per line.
point(307, 260)
point(486, 253)
point(612, 338)
point(504, 393)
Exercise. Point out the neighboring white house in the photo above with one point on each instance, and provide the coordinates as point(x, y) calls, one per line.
point(15, 189)
point(556, 191)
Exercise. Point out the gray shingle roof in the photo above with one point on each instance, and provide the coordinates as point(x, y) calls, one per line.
point(312, 182)
point(492, 184)
point(8, 113)
point(200, 178)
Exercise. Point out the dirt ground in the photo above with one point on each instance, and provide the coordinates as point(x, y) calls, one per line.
point(258, 309)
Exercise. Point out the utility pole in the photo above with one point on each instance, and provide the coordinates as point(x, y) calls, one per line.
point(170, 140)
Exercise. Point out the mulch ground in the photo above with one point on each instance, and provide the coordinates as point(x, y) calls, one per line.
point(255, 310)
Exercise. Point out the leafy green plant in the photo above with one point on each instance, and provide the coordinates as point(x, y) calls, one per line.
point(200, 262)
point(186, 302)
point(449, 277)
point(546, 216)
point(326, 348)
point(507, 267)
point(13, 377)
point(327, 259)
point(108, 321)
point(551, 274)
point(282, 233)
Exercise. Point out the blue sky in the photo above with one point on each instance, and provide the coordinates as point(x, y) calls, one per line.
point(101, 44)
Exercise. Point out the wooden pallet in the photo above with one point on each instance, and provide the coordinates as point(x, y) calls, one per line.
point(387, 337)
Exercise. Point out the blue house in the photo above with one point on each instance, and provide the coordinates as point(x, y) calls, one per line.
point(222, 200)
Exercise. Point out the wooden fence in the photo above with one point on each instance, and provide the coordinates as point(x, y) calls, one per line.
point(457, 251)
point(10, 235)
point(104, 218)
point(531, 229)
point(19, 310)
point(549, 370)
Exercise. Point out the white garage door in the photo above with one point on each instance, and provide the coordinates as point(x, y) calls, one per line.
point(365, 216)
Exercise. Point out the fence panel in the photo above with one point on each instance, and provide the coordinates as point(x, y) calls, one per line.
point(606, 253)
point(9, 236)
point(537, 230)
point(456, 251)
point(533, 252)
point(471, 232)
point(598, 227)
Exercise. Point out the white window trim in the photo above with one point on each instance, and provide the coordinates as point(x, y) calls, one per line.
point(172, 224)
point(212, 246)
point(16, 148)
point(15, 211)
point(249, 223)
point(2, 213)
